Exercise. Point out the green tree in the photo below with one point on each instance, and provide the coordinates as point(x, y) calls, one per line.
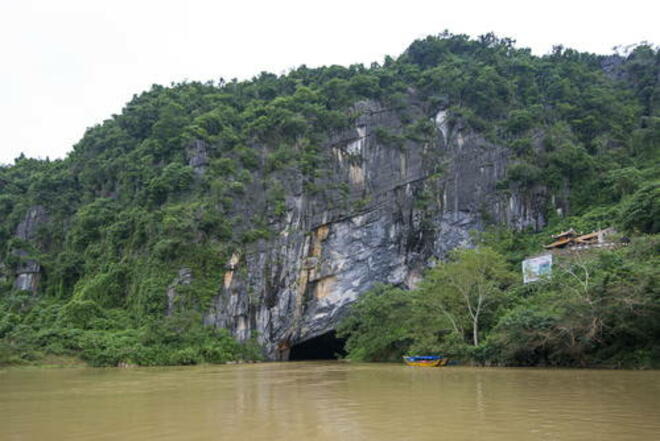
point(642, 211)
point(378, 327)
point(467, 288)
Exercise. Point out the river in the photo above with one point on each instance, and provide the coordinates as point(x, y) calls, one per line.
point(328, 401)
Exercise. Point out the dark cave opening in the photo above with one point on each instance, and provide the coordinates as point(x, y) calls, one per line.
point(323, 347)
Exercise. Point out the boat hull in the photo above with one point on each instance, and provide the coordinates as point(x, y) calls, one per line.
point(420, 362)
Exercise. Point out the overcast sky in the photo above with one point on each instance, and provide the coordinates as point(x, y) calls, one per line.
point(70, 64)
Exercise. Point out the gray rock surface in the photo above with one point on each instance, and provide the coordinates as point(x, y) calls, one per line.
point(183, 278)
point(613, 66)
point(382, 213)
point(28, 270)
point(197, 155)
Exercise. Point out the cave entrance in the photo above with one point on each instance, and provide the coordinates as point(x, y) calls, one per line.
point(323, 347)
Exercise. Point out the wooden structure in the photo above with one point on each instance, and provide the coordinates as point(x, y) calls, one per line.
point(563, 239)
point(571, 240)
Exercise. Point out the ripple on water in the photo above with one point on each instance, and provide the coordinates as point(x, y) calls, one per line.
point(328, 401)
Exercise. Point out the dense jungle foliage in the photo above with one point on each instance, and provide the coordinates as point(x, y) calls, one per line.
point(598, 309)
point(126, 210)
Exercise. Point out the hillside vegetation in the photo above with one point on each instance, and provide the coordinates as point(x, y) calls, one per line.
point(133, 203)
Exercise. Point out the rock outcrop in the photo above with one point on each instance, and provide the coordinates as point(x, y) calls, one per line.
point(197, 156)
point(28, 270)
point(183, 278)
point(383, 212)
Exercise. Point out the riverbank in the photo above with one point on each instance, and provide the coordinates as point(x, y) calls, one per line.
point(67, 361)
point(62, 361)
point(47, 362)
point(57, 361)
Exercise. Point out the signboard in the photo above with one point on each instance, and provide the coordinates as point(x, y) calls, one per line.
point(536, 268)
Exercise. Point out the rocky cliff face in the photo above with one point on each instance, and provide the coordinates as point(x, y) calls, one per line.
point(386, 207)
point(28, 269)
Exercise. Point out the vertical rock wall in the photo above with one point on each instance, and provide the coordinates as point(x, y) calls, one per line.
point(28, 270)
point(383, 214)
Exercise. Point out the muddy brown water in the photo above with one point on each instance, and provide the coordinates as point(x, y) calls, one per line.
point(328, 401)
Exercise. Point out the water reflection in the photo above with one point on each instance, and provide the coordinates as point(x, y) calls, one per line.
point(328, 401)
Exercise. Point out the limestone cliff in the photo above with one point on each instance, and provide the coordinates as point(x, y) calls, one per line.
point(384, 211)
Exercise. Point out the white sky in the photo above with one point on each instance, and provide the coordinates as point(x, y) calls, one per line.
point(69, 64)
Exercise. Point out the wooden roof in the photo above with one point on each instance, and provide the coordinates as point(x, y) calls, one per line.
point(569, 233)
point(588, 237)
point(559, 243)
